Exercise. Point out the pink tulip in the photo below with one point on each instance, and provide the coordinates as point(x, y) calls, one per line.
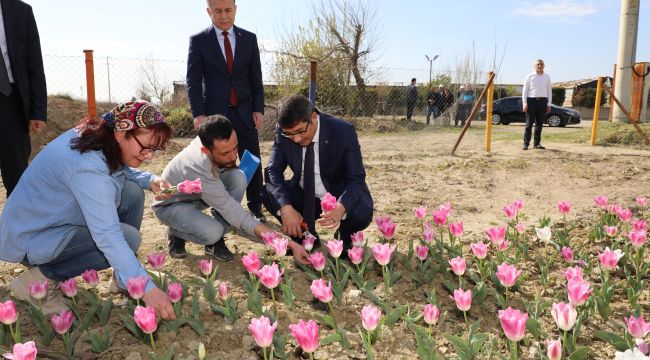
point(641, 201)
point(456, 229)
point(637, 327)
point(328, 203)
point(280, 246)
point(463, 299)
point(601, 201)
point(431, 314)
point(38, 289)
point(90, 277)
point(420, 212)
point(554, 349)
point(335, 247)
point(358, 239)
point(567, 253)
point(564, 207)
point(578, 291)
point(306, 335)
point(428, 234)
point(268, 237)
point(458, 265)
point(440, 217)
point(145, 318)
point(156, 260)
point(497, 234)
point(270, 275)
point(503, 246)
point(175, 292)
point(251, 262)
point(308, 242)
point(638, 238)
point(480, 249)
point(508, 274)
point(573, 273)
point(518, 204)
point(510, 211)
point(61, 322)
point(8, 313)
point(223, 291)
point(611, 231)
point(321, 290)
point(190, 187)
point(521, 228)
point(69, 287)
point(370, 316)
point(513, 323)
point(386, 227)
point(383, 253)
point(640, 225)
point(614, 209)
point(206, 267)
point(262, 331)
point(565, 315)
point(445, 208)
point(609, 259)
point(624, 214)
point(356, 255)
point(136, 286)
point(26, 351)
point(317, 260)
point(421, 252)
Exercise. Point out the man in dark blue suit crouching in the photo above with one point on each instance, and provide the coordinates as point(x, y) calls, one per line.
point(324, 155)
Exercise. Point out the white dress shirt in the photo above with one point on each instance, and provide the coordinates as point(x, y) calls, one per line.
point(231, 37)
point(537, 85)
point(319, 188)
point(3, 45)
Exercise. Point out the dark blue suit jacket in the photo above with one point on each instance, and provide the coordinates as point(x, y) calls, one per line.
point(24, 47)
point(341, 164)
point(208, 80)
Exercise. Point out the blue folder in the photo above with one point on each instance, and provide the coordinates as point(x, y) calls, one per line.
point(249, 164)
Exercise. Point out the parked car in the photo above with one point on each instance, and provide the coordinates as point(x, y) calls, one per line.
point(509, 109)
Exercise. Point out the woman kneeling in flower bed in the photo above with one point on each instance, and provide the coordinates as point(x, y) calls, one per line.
point(79, 205)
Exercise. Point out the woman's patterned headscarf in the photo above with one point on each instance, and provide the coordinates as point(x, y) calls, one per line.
point(133, 115)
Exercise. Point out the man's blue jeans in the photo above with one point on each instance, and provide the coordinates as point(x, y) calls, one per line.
point(432, 109)
point(81, 252)
point(187, 220)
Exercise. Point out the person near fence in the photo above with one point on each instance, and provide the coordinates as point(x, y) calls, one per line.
point(411, 98)
point(324, 154)
point(435, 103)
point(80, 203)
point(224, 76)
point(23, 94)
point(536, 101)
point(211, 157)
point(448, 102)
point(465, 102)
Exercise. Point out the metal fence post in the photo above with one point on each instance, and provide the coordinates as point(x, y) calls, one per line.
point(90, 84)
point(594, 122)
point(488, 114)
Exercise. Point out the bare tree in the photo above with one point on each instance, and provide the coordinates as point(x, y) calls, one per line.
point(150, 83)
point(341, 36)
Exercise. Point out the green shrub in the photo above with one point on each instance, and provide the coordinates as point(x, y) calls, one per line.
point(181, 120)
point(559, 95)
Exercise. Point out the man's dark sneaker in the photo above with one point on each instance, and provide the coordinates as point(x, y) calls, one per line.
point(176, 247)
point(259, 216)
point(525, 147)
point(220, 251)
point(540, 147)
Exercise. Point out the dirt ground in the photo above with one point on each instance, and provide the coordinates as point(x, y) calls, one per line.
point(406, 169)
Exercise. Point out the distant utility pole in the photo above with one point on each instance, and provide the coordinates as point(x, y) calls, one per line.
point(430, 65)
point(626, 57)
point(108, 75)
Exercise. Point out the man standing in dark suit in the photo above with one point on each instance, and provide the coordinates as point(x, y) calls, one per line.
point(224, 76)
point(324, 155)
point(23, 95)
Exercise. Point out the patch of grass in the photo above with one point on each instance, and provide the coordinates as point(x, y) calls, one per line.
point(519, 164)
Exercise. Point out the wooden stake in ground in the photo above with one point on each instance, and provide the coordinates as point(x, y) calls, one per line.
point(477, 105)
point(633, 121)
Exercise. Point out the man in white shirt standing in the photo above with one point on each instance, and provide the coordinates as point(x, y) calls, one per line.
point(536, 99)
